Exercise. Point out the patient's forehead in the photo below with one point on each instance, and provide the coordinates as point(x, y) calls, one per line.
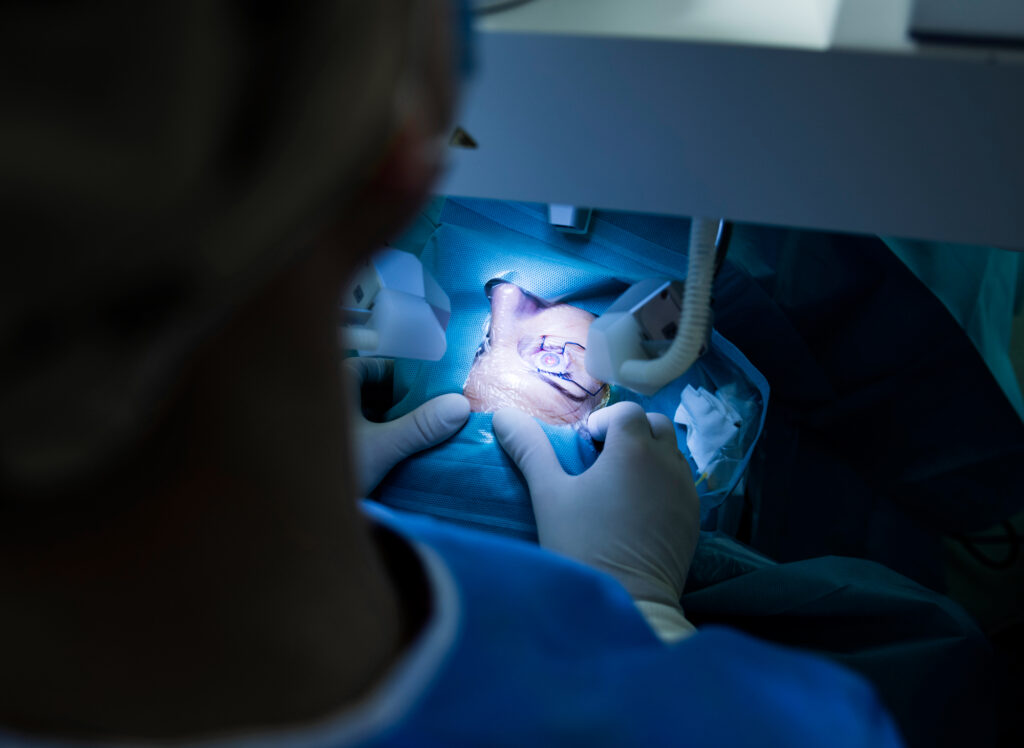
point(561, 321)
point(562, 315)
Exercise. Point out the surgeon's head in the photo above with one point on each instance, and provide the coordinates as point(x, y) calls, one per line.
point(533, 360)
point(313, 134)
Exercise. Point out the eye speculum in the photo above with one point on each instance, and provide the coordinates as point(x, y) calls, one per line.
point(553, 361)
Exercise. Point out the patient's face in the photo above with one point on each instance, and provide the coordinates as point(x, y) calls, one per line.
point(534, 360)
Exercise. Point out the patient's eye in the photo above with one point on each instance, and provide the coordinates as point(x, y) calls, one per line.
point(549, 354)
point(549, 360)
point(550, 379)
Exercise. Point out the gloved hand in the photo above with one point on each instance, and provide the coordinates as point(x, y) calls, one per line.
point(633, 514)
point(380, 446)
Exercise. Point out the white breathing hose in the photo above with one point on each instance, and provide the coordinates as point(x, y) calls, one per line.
point(694, 317)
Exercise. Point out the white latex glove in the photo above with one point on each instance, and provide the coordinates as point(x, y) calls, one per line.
point(633, 514)
point(380, 446)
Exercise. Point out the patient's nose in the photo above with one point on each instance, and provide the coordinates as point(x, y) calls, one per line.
point(508, 304)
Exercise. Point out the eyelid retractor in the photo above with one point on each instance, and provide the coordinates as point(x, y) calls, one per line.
point(393, 307)
point(657, 316)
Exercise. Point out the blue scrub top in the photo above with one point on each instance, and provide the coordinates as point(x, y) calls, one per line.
point(524, 647)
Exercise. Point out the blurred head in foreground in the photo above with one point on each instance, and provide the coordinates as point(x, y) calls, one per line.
point(162, 163)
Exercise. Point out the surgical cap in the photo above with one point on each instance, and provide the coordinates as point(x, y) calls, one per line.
point(159, 163)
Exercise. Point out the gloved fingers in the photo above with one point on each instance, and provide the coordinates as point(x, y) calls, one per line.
point(662, 428)
point(381, 446)
point(430, 424)
point(528, 446)
point(621, 421)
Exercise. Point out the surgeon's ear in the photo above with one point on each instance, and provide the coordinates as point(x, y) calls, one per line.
point(410, 167)
point(389, 200)
point(413, 158)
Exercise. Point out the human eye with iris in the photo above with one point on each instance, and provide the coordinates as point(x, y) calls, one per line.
point(555, 357)
point(533, 359)
point(549, 361)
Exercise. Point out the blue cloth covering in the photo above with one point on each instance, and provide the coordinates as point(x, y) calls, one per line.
point(469, 479)
point(887, 429)
point(929, 662)
point(979, 286)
